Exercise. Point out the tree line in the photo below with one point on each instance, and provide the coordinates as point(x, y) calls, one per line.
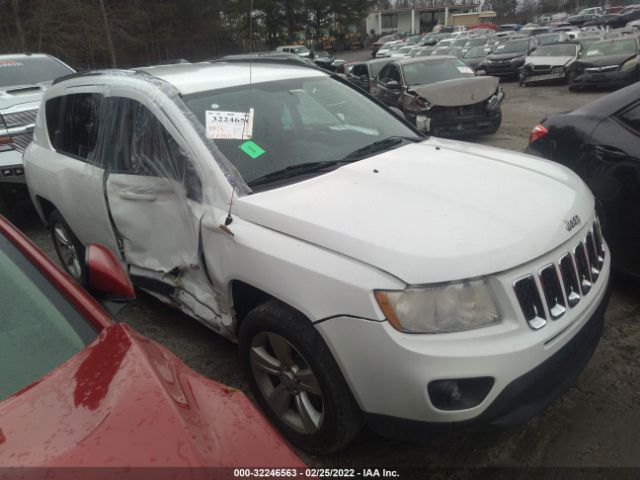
point(125, 33)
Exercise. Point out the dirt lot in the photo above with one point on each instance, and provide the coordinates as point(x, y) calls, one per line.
point(595, 424)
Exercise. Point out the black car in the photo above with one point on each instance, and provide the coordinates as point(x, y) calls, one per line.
point(506, 59)
point(475, 56)
point(579, 20)
point(601, 143)
point(620, 21)
point(441, 96)
point(364, 74)
point(611, 63)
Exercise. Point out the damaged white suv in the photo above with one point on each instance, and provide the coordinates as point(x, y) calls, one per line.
point(368, 274)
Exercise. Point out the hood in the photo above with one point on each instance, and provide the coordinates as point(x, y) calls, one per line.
point(473, 62)
point(504, 56)
point(435, 211)
point(562, 60)
point(125, 401)
point(604, 60)
point(21, 94)
point(458, 92)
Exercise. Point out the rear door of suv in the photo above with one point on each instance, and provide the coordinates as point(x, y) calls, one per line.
point(71, 172)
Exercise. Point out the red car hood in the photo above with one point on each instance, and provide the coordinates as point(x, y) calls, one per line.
point(125, 401)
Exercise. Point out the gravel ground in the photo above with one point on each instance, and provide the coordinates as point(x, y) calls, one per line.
point(594, 424)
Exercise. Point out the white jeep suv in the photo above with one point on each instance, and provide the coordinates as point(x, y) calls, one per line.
point(368, 274)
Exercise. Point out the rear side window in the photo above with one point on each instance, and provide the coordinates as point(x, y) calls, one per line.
point(631, 117)
point(72, 123)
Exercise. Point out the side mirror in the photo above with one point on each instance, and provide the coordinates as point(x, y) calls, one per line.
point(393, 85)
point(106, 279)
point(481, 73)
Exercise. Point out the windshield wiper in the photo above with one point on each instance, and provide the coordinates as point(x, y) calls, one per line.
point(310, 167)
point(294, 170)
point(379, 146)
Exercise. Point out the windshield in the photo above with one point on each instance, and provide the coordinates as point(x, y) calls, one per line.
point(555, 51)
point(616, 47)
point(476, 52)
point(298, 121)
point(459, 43)
point(548, 38)
point(39, 329)
point(30, 70)
point(302, 49)
point(476, 42)
point(435, 71)
point(513, 47)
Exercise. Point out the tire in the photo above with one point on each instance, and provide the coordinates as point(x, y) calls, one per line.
point(69, 249)
point(496, 126)
point(332, 416)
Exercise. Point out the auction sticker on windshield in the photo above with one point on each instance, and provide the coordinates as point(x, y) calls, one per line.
point(229, 125)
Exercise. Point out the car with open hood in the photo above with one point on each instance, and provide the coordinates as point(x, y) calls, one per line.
point(23, 80)
point(80, 392)
point(549, 63)
point(506, 59)
point(601, 142)
point(442, 96)
point(369, 274)
point(609, 63)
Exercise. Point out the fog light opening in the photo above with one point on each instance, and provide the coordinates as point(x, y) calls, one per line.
point(459, 394)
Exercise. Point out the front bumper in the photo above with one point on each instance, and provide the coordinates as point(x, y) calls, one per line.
point(531, 76)
point(465, 125)
point(389, 371)
point(615, 78)
point(501, 69)
point(522, 399)
point(11, 169)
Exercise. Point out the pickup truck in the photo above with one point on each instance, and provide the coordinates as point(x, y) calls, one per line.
point(23, 81)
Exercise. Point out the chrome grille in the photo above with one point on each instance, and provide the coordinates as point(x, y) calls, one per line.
point(20, 119)
point(530, 302)
point(552, 290)
point(608, 68)
point(22, 141)
point(561, 286)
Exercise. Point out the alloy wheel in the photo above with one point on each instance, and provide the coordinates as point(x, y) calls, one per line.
point(67, 251)
point(287, 382)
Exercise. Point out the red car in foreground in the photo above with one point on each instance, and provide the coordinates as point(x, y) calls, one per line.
point(79, 390)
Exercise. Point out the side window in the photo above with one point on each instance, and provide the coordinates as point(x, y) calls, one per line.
point(386, 74)
point(72, 123)
point(631, 117)
point(140, 145)
point(360, 71)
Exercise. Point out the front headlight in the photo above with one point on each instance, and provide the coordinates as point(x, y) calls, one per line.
point(445, 308)
point(517, 60)
point(629, 65)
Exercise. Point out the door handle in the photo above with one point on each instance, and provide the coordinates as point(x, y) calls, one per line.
point(610, 153)
point(137, 197)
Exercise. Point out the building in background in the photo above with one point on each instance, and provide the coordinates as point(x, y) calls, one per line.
point(417, 20)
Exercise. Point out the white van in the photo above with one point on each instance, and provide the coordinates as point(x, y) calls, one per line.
point(369, 274)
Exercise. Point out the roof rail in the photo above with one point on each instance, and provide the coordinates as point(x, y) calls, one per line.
point(267, 57)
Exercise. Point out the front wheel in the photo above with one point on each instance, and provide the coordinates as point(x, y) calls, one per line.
point(69, 249)
point(296, 380)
